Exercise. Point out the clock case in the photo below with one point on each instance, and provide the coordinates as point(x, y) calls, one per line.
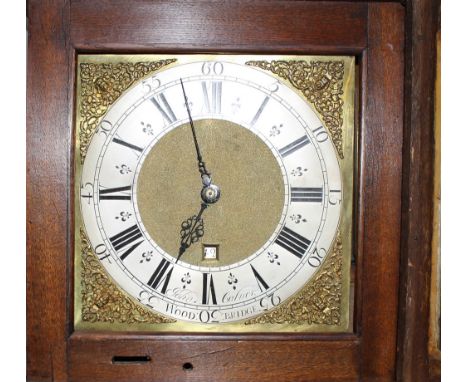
point(394, 165)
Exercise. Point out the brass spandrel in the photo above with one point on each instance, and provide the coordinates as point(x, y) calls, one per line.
point(102, 300)
point(318, 302)
point(321, 82)
point(100, 85)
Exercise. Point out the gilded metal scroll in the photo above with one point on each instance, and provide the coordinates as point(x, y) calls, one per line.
point(319, 302)
point(321, 82)
point(101, 85)
point(102, 301)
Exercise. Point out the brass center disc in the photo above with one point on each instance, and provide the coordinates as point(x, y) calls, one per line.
point(241, 165)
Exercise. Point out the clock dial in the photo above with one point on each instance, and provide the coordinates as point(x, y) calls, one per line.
point(252, 182)
point(217, 222)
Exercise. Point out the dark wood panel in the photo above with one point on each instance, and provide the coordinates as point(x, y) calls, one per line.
point(254, 26)
point(48, 162)
point(287, 27)
point(381, 143)
point(413, 360)
point(219, 360)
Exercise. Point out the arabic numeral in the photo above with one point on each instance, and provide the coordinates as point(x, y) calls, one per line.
point(87, 191)
point(334, 197)
point(150, 84)
point(105, 127)
point(101, 251)
point(216, 68)
point(317, 257)
point(274, 87)
point(146, 299)
point(206, 316)
point(320, 134)
point(269, 301)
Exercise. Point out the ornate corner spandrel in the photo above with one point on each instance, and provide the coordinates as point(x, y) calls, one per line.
point(102, 300)
point(321, 82)
point(101, 85)
point(319, 302)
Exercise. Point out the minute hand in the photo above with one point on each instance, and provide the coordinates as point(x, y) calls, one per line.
point(201, 163)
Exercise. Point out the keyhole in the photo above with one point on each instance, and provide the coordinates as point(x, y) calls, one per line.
point(187, 366)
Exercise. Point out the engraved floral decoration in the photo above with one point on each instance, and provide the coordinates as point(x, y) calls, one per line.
point(232, 280)
point(321, 83)
point(273, 258)
point(297, 218)
point(146, 256)
point(186, 280)
point(123, 169)
point(299, 171)
point(319, 302)
point(236, 105)
point(276, 130)
point(147, 128)
point(123, 216)
point(102, 300)
point(101, 85)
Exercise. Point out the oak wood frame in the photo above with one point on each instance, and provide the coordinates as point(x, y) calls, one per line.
point(416, 360)
point(58, 30)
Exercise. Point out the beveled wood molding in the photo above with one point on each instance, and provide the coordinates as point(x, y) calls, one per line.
point(422, 19)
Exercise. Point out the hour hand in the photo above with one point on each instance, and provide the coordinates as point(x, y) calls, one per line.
point(191, 230)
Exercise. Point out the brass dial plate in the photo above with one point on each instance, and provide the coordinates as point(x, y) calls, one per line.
point(314, 72)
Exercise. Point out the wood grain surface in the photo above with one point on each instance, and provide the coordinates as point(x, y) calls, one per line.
point(237, 26)
point(414, 363)
point(212, 359)
point(49, 133)
point(381, 168)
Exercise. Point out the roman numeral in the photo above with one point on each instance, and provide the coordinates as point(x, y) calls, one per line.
point(259, 111)
point(164, 108)
point(161, 275)
point(208, 289)
point(117, 193)
point(213, 103)
point(126, 237)
point(293, 146)
point(129, 250)
point(260, 281)
point(307, 194)
point(292, 242)
point(126, 144)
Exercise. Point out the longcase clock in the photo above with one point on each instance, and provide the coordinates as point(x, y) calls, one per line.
point(216, 193)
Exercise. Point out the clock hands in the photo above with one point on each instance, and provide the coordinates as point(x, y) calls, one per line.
point(210, 193)
point(191, 230)
point(201, 164)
